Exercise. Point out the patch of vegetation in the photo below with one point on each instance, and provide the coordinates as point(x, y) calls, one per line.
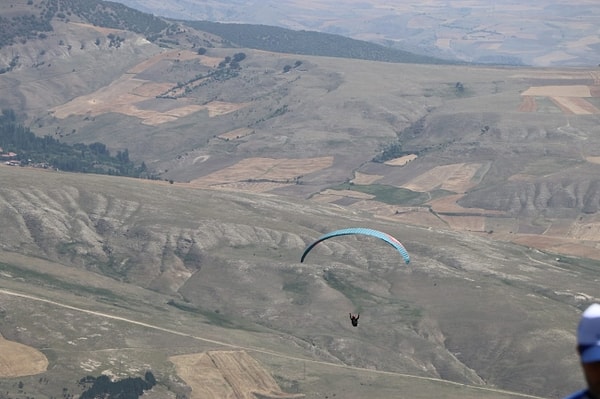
point(27, 25)
point(288, 67)
point(113, 15)
point(297, 286)
point(440, 193)
point(287, 385)
point(390, 151)
point(394, 149)
point(227, 69)
point(387, 194)
point(46, 280)
point(545, 165)
point(283, 40)
point(64, 248)
point(11, 65)
point(48, 152)
point(359, 295)
point(36, 19)
point(545, 105)
point(350, 291)
point(183, 306)
point(278, 112)
point(115, 40)
point(578, 264)
point(128, 388)
point(213, 317)
point(113, 269)
point(410, 312)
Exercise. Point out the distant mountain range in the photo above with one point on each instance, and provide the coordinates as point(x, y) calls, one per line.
point(30, 21)
point(548, 33)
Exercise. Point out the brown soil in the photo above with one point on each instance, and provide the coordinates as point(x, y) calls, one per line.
point(558, 91)
point(401, 161)
point(123, 95)
point(363, 178)
point(575, 105)
point(227, 374)
point(455, 177)
point(18, 360)
point(262, 174)
point(570, 98)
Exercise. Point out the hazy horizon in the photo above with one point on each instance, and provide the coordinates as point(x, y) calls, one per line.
point(544, 34)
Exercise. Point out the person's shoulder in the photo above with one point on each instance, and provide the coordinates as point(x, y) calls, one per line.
point(583, 394)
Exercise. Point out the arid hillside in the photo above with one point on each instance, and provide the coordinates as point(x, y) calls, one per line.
point(143, 271)
point(488, 175)
point(504, 152)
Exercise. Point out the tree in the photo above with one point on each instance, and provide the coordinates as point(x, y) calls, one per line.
point(389, 151)
point(239, 57)
point(149, 377)
point(123, 156)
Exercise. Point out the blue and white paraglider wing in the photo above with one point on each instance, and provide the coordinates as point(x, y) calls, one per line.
point(360, 230)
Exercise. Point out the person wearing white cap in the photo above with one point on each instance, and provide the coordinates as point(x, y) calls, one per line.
point(588, 347)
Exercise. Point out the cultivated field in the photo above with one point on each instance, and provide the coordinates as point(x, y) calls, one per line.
point(262, 174)
point(227, 374)
point(18, 360)
point(126, 93)
point(570, 99)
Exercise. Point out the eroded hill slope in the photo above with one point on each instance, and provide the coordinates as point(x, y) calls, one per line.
point(466, 309)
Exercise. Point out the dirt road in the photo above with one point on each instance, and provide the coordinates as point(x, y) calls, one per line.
point(252, 349)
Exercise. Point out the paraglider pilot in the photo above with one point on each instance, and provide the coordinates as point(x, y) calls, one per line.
point(354, 319)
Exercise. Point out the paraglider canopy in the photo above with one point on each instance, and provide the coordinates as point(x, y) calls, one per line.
point(360, 230)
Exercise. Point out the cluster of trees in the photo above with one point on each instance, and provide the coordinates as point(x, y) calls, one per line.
point(26, 26)
point(283, 40)
point(92, 158)
point(115, 40)
point(394, 149)
point(389, 151)
point(11, 65)
point(128, 388)
point(36, 20)
point(113, 15)
point(227, 69)
point(288, 68)
point(103, 387)
point(234, 62)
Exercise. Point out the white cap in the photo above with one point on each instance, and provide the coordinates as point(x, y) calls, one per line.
point(588, 334)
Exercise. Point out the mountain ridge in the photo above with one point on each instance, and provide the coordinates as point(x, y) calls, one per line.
point(553, 34)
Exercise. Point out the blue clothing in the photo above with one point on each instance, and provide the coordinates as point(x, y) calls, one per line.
point(583, 394)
